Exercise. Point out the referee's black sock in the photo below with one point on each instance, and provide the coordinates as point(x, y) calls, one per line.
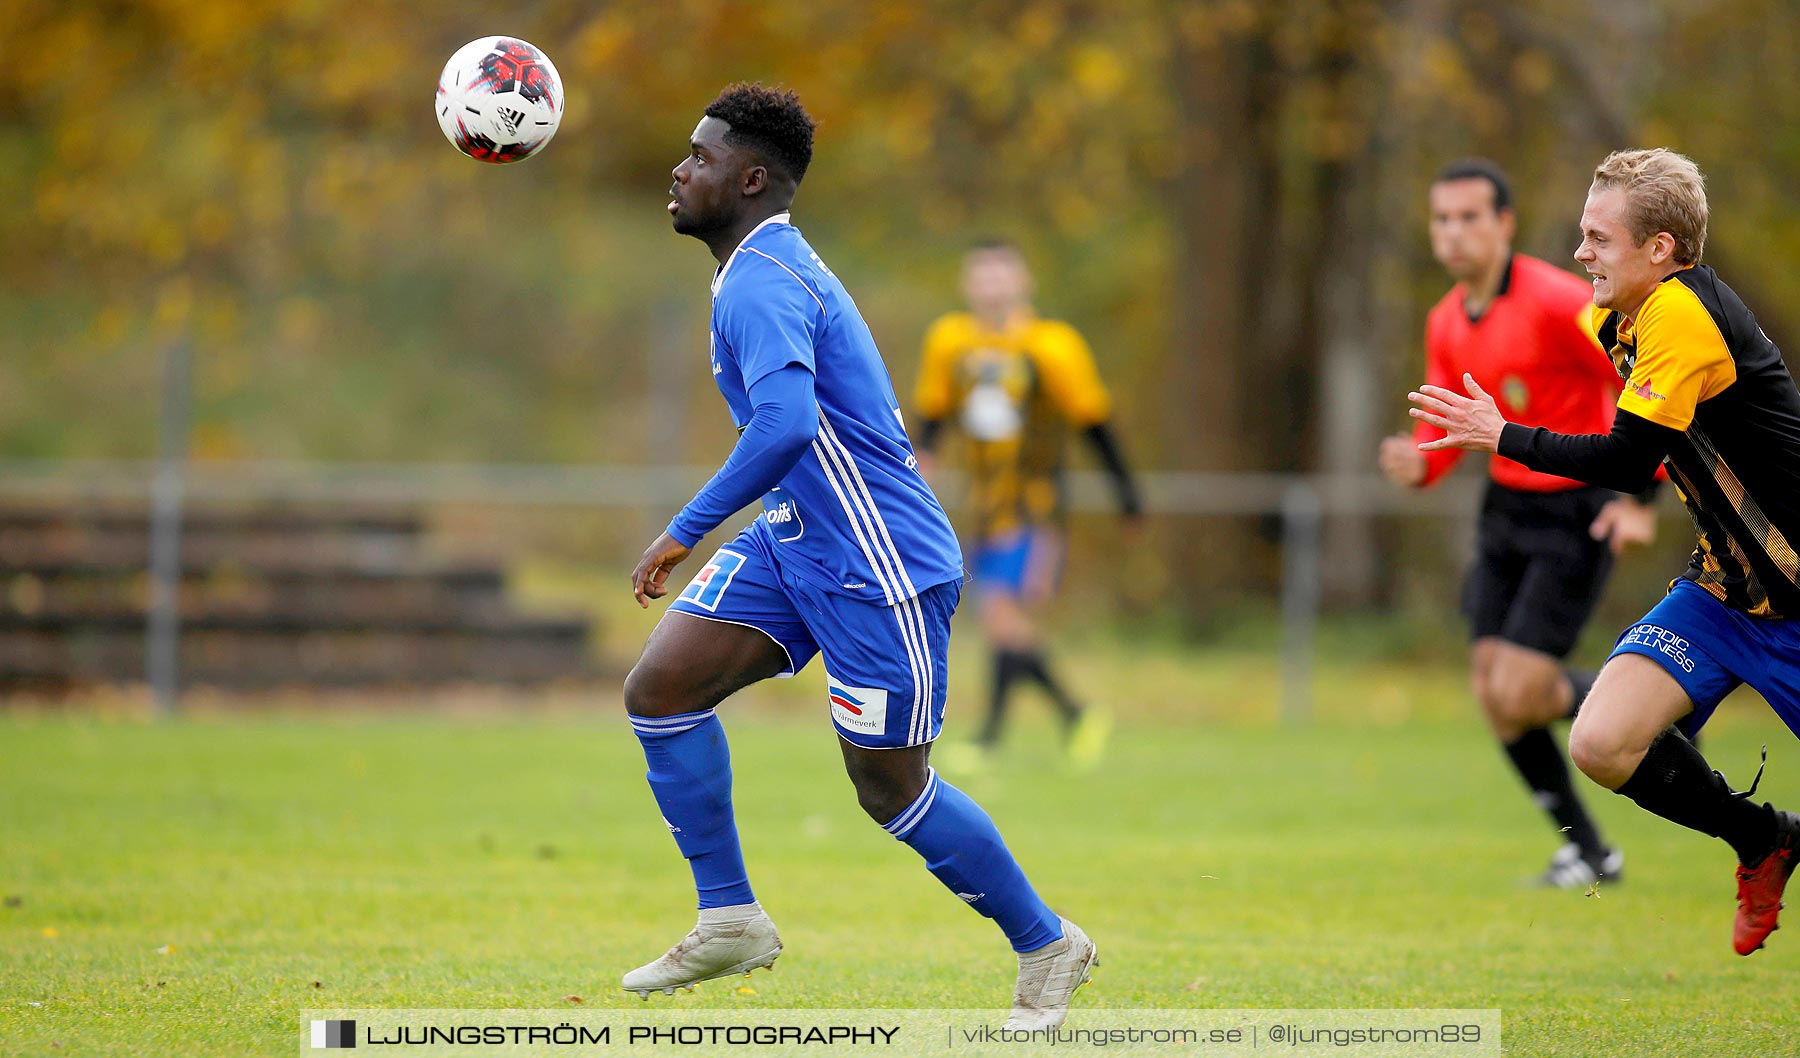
point(1581, 681)
point(1007, 670)
point(1675, 782)
point(1033, 666)
point(1540, 762)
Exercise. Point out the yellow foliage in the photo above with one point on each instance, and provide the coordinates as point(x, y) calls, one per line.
point(280, 158)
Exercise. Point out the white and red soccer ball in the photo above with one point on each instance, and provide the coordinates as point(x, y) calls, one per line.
point(499, 99)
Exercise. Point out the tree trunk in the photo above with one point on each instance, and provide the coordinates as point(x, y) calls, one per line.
point(1223, 199)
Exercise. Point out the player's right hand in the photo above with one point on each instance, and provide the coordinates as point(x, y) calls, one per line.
point(1624, 522)
point(1471, 420)
point(1401, 460)
point(649, 579)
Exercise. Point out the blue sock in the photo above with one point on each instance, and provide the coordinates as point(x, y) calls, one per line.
point(963, 849)
point(690, 774)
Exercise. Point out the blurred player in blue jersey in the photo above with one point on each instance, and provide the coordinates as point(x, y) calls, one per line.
point(852, 558)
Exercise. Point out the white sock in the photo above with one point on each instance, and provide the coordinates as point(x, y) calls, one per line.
point(718, 916)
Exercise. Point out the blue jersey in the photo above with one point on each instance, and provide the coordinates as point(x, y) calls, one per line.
point(854, 515)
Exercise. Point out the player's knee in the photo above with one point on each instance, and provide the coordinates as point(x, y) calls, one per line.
point(650, 690)
point(638, 691)
point(881, 804)
point(1481, 677)
point(1529, 702)
point(1600, 753)
point(1489, 700)
point(884, 795)
point(1525, 689)
point(1506, 709)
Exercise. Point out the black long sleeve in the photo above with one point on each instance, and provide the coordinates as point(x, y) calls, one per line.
point(1106, 446)
point(1624, 460)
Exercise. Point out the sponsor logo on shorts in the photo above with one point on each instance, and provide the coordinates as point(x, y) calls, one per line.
point(1667, 643)
point(861, 709)
point(708, 585)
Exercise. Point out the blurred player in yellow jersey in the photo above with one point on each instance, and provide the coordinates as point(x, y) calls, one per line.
point(1015, 385)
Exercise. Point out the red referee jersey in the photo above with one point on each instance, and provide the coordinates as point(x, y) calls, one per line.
point(1533, 353)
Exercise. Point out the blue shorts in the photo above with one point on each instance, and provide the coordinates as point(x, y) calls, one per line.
point(886, 667)
point(1710, 649)
point(1007, 564)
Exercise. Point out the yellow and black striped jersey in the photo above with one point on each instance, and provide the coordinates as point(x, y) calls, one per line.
point(1694, 360)
point(1015, 393)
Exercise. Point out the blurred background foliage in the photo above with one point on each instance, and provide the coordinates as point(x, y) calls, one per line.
point(1226, 196)
point(263, 176)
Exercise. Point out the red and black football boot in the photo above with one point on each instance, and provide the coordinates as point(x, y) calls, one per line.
point(1759, 887)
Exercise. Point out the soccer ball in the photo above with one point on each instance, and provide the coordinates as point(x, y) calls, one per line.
point(499, 99)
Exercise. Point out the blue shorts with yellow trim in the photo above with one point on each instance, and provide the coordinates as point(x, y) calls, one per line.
point(1710, 649)
point(886, 667)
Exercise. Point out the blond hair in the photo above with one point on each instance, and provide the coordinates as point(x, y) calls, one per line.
point(1664, 191)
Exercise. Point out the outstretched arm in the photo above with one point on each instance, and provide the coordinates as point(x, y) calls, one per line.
point(1625, 459)
point(783, 422)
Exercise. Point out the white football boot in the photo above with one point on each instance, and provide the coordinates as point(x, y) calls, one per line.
point(1048, 978)
point(1571, 868)
point(727, 941)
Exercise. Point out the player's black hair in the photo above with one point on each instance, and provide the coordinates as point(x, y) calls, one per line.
point(990, 243)
point(1479, 169)
point(769, 121)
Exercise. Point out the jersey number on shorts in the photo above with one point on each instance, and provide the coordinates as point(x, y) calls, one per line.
point(708, 585)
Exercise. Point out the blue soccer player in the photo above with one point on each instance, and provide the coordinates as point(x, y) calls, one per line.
point(852, 558)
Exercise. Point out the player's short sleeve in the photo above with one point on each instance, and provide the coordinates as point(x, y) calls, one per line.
point(769, 318)
point(1682, 359)
point(934, 392)
point(1068, 375)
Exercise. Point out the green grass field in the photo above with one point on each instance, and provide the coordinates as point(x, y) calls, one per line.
point(189, 887)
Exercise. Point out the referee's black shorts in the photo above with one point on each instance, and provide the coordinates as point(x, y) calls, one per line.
point(1537, 573)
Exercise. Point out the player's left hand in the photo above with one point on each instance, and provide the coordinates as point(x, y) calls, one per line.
point(1473, 422)
point(648, 580)
point(1624, 522)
